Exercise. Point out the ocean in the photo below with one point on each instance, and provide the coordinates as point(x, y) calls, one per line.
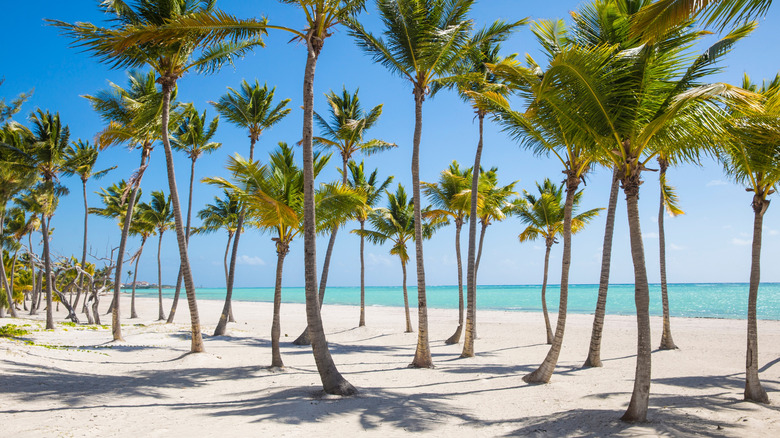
point(694, 300)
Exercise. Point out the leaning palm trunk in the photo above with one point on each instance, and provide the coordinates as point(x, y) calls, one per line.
point(160, 311)
point(34, 294)
point(47, 266)
point(594, 351)
point(84, 246)
point(667, 343)
point(276, 355)
point(406, 301)
point(231, 272)
point(197, 340)
point(637, 408)
point(176, 294)
point(332, 381)
point(471, 268)
point(422, 356)
point(545, 370)
point(753, 389)
point(362, 321)
point(133, 313)
point(4, 278)
point(544, 293)
point(455, 338)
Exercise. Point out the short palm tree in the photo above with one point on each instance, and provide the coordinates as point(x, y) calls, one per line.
point(396, 224)
point(159, 214)
point(251, 107)
point(224, 213)
point(752, 159)
point(373, 188)
point(144, 228)
point(544, 216)
point(446, 204)
point(193, 138)
point(27, 202)
point(81, 159)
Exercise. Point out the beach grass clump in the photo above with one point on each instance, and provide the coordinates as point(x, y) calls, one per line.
point(12, 331)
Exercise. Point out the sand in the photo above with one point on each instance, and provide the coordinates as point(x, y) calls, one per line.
point(73, 382)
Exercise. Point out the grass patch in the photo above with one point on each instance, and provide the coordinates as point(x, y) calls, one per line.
point(12, 331)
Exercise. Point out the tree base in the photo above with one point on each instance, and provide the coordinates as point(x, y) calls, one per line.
point(592, 362)
point(455, 338)
point(303, 339)
point(667, 346)
point(756, 394)
point(342, 388)
point(536, 378)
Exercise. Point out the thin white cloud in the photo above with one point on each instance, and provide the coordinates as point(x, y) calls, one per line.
point(740, 242)
point(378, 260)
point(649, 235)
point(250, 260)
point(674, 247)
point(717, 182)
point(774, 232)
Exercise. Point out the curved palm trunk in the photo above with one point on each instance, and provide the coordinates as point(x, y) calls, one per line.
point(637, 407)
point(362, 321)
point(753, 389)
point(406, 301)
point(133, 313)
point(332, 381)
point(667, 343)
point(34, 295)
point(545, 370)
point(544, 293)
point(471, 268)
point(594, 351)
point(84, 246)
point(276, 355)
point(13, 275)
point(455, 338)
point(197, 340)
point(176, 294)
point(3, 275)
point(160, 311)
point(47, 266)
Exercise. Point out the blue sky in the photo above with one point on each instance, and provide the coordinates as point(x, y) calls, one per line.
point(710, 243)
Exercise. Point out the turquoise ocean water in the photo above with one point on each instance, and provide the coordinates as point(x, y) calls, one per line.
point(698, 300)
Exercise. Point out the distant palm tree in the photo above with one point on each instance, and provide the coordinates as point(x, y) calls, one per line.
point(752, 159)
point(396, 224)
point(81, 159)
point(27, 202)
point(544, 216)
point(446, 204)
point(159, 213)
point(373, 189)
point(224, 213)
point(194, 138)
point(144, 228)
point(251, 107)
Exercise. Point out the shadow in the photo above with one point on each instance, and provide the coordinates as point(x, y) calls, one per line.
point(769, 365)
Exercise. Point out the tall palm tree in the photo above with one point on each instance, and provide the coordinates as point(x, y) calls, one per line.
point(224, 213)
point(752, 159)
point(123, 46)
point(373, 189)
point(81, 159)
point(544, 215)
point(251, 107)
point(159, 213)
point(446, 203)
point(396, 224)
point(194, 138)
point(273, 196)
point(144, 228)
point(344, 132)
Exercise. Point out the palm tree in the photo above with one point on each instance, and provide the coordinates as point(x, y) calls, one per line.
point(344, 132)
point(144, 228)
point(159, 213)
point(225, 214)
point(192, 137)
point(373, 189)
point(752, 159)
point(81, 159)
point(396, 224)
point(123, 46)
point(251, 107)
point(657, 18)
point(273, 196)
point(446, 203)
point(27, 202)
point(18, 224)
point(544, 216)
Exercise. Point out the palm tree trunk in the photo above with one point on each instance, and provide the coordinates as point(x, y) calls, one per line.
point(455, 338)
point(406, 301)
point(225, 259)
point(544, 293)
point(13, 275)
point(332, 381)
point(753, 390)
point(276, 355)
point(34, 295)
point(667, 343)
point(422, 355)
point(160, 311)
point(6, 287)
point(637, 407)
point(197, 340)
point(482, 230)
point(176, 294)
point(84, 246)
point(133, 313)
point(471, 268)
point(362, 322)
point(545, 370)
point(47, 266)
point(594, 351)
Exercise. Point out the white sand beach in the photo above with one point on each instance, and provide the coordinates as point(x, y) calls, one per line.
point(73, 382)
